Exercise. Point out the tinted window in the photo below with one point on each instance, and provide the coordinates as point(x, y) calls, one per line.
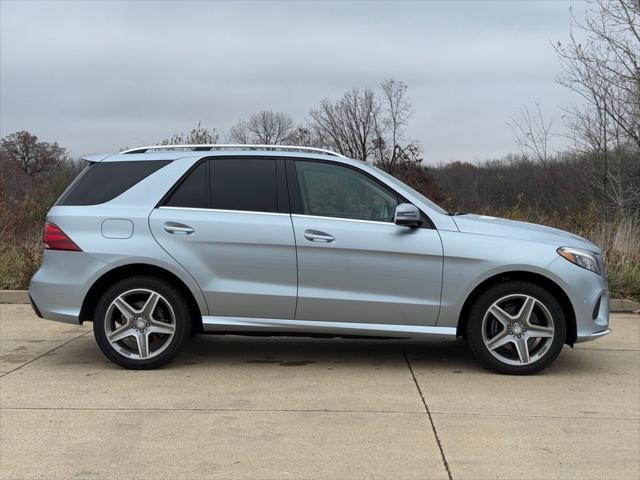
point(192, 191)
point(103, 181)
point(331, 190)
point(244, 184)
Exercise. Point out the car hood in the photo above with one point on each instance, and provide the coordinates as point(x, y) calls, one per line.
point(500, 227)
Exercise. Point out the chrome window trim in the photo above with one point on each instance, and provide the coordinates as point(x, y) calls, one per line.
point(220, 210)
point(375, 222)
point(294, 215)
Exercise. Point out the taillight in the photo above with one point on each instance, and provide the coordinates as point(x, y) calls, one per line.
point(55, 239)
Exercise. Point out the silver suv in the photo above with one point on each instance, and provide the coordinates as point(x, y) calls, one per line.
point(157, 243)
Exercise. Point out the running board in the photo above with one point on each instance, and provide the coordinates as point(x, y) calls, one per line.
point(240, 324)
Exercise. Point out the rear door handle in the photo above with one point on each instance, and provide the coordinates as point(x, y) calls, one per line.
point(318, 236)
point(178, 229)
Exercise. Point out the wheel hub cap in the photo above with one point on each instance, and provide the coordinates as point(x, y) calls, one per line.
point(517, 329)
point(140, 324)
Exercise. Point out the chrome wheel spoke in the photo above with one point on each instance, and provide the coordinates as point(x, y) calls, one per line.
point(142, 338)
point(503, 317)
point(124, 308)
point(539, 331)
point(151, 304)
point(499, 340)
point(526, 310)
point(161, 327)
point(120, 333)
point(523, 350)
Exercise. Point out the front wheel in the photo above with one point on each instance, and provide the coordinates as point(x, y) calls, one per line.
point(516, 328)
point(141, 322)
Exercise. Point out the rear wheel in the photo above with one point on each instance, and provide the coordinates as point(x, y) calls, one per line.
point(516, 328)
point(141, 322)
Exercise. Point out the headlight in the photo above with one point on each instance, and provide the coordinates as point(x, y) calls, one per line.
point(582, 258)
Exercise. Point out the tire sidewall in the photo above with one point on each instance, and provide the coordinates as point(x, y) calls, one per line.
point(170, 293)
point(486, 299)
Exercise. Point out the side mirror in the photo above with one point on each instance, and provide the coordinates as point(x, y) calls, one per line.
point(407, 215)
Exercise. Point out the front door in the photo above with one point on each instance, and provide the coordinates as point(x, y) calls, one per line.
point(227, 223)
point(354, 263)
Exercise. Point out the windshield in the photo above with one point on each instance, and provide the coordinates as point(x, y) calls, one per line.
point(421, 197)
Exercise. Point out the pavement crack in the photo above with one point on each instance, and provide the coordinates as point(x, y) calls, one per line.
point(44, 354)
point(426, 408)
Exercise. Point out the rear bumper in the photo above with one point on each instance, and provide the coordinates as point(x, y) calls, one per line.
point(58, 288)
point(35, 307)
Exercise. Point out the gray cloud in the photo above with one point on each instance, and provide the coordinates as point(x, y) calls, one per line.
point(96, 76)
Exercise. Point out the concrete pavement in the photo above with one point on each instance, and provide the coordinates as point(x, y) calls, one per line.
point(248, 408)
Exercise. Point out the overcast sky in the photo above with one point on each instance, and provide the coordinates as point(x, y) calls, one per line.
point(96, 76)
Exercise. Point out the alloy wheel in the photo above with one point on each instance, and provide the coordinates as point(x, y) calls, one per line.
point(140, 324)
point(518, 329)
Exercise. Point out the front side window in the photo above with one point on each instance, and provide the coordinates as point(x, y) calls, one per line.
point(330, 190)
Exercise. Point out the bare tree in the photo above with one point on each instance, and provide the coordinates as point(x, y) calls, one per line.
point(265, 128)
point(304, 136)
point(31, 156)
point(198, 135)
point(391, 125)
point(368, 125)
point(533, 133)
point(238, 133)
point(348, 125)
point(604, 70)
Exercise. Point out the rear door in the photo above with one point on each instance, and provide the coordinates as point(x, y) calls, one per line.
point(354, 263)
point(228, 223)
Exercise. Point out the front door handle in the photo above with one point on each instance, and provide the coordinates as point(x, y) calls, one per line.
point(318, 236)
point(178, 229)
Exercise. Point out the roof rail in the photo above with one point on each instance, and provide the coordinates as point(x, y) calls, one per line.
point(214, 146)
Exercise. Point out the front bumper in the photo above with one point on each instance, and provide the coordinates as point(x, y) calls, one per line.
point(593, 336)
point(589, 297)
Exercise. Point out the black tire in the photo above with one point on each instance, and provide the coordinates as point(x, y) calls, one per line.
point(548, 348)
point(181, 322)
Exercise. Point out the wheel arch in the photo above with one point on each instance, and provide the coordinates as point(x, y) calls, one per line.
point(535, 278)
point(118, 273)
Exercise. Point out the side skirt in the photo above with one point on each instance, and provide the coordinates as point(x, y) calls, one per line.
point(240, 324)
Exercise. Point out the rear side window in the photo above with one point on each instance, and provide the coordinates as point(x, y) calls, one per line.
point(244, 184)
point(104, 181)
point(192, 192)
point(230, 184)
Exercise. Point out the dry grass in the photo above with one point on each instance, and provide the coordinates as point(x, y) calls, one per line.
point(620, 242)
point(18, 262)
